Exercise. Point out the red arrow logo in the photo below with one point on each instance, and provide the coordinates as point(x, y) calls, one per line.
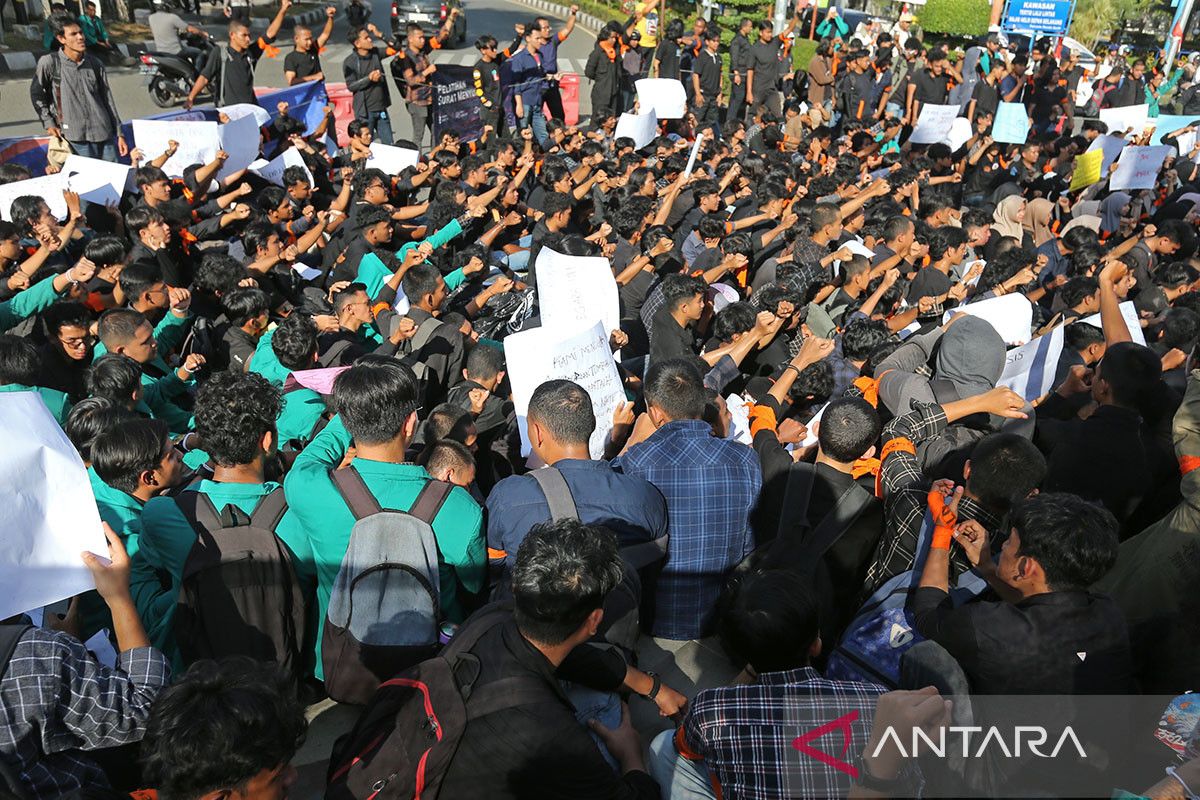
point(842, 723)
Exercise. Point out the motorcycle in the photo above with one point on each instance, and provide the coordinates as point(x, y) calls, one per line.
point(170, 76)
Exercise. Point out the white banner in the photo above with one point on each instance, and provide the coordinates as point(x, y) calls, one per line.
point(641, 128)
point(47, 510)
point(1135, 118)
point(1011, 315)
point(664, 96)
point(392, 160)
point(198, 142)
point(1138, 167)
point(96, 181)
point(543, 354)
point(568, 284)
point(48, 187)
point(934, 124)
point(273, 170)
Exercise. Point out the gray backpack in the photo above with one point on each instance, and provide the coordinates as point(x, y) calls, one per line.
point(421, 338)
point(384, 610)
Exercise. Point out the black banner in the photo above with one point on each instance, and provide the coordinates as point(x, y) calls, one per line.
point(456, 107)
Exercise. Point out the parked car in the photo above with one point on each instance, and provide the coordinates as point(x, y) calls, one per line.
point(430, 15)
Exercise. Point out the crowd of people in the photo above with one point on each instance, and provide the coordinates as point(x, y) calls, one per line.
point(291, 397)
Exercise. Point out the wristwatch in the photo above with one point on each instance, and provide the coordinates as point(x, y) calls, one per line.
point(654, 687)
point(889, 787)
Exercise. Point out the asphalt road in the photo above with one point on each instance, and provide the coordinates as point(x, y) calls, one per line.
point(495, 17)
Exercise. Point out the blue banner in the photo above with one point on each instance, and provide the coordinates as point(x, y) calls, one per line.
point(456, 108)
point(1049, 17)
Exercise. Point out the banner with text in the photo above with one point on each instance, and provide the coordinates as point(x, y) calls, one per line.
point(455, 106)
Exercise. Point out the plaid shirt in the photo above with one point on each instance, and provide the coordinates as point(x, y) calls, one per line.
point(905, 492)
point(745, 734)
point(710, 486)
point(56, 700)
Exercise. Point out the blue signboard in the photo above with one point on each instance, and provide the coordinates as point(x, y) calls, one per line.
point(1049, 17)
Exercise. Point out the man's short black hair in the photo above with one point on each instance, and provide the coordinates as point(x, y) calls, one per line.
point(1180, 328)
point(484, 362)
point(233, 411)
point(244, 304)
point(1078, 289)
point(219, 726)
point(556, 203)
point(676, 386)
point(1078, 335)
point(121, 454)
point(219, 273)
point(118, 325)
point(563, 572)
point(1074, 541)
point(374, 398)
point(862, 336)
point(769, 620)
point(19, 361)
point(91, 417)
point(138, 278)
point(346, 295)
point(105, 251)
point(711, 226)
point(896, 227)
point(849, 427)
point(733, 319)
point(1005, 468)
point(448, 453)
point(678, 288)
point(270, 198)
point(565, 409)
point(255, 237)
point(420, 281)
point(114, 376)
point(139, 217)
point(25, 212)
point(1130, 370)
point(295, 175)
point(294, 342)
point(1079, 236)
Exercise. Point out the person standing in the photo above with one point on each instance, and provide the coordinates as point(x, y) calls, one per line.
point(529, 84)
point(549, 54)
point(72, 98)
point(486, 76)
point(232, 70)
point(303, 64)
point(604, 71)
point(739, 63)
point(706, 81)
point(363, 73)
point(413, 68)
point(767, 58)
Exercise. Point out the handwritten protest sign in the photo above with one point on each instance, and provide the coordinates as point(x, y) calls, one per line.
point(47, 510)
point(664, 96)
point(1011, 315)
point(1087, 169)
point(1111, 147)
point(94, 180)
point(934, 124)
point(1011, 124)
point(198, 142)
point(567, 284)
point(239, 139)
point(48, 187)
point(392, 160)
point(1137, 168)
point(273, 170)
point(641, 128)
point(543, 354)
point(1135, 118)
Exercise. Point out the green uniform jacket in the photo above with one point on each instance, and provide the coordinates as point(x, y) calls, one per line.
point(55, 400)
point(327, 520)
point(27, 303)
point(373, 274)
point(157, 393)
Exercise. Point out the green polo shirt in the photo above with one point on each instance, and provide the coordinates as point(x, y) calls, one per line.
point(372, 272)
point(36, 298)
point(55, 401)
point(167, 538)
point(157, 393)
point(327, 520)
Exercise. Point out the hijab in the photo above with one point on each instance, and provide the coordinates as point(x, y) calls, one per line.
point(1004, 218)
point(1090, 221)
point(1037, 214)
point(1110, 211)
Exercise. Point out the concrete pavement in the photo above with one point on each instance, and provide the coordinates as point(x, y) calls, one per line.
point(496, 17)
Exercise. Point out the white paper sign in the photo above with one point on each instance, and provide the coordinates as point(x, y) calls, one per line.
point(392, 160)
point(238, 110)
point(664, 96)
point(47, 510)
point(934, 124)
point(240, 139)
point(695, 152)
point(198, 142)
point(1112, 147)
point(810, 438)
point(542, 354)
point(1138, 167)
point(960, 132)
point(1122, 119)
point(641, 128)
point(96, 181)
point(47, 187)
point(273, 170)
point(1011, 315)
point(569, 285)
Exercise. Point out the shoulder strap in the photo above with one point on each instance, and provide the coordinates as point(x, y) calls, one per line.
point(846, 511)
point(270, 510)
point(354, 491)
point(198, 509)
point(558, 494)
point(430, 501)
point(56, 83)
point(9, 636)
point(424, 333)
point(331, 355)
point(506, 693)
point(797, 492)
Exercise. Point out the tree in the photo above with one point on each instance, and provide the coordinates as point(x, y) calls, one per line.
point(1095, 19)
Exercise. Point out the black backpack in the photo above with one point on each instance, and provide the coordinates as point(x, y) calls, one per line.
point(240, 594)
point(406, 738)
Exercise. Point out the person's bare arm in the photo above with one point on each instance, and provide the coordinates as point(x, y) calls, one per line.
point(112, 583)
point(206, 172)
point(277, 22)
point(1111, 321)
point(327, 31)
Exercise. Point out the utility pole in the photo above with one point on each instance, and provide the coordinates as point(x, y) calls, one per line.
point(780, 17)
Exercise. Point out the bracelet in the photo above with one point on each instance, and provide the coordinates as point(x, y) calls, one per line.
point(788, 366)
point(654, 687)
point(185, 369)
point(1186, 789)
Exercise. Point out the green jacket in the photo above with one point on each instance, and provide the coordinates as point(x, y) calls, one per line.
point(94, 31)
point(159, 393)
point(302, 409)
point(1165, 89)
point(167, 538)
point(373, 274)
point(327, 520)
point(266, 363)
point(55, 400)
point(36, 298)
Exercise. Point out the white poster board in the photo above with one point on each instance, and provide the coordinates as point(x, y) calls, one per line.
point(542, 354)
point(273, 170)
point(240, 139)
point(48, 187)
point(392, 160)
point(696, 145)
point(198, 142)
point(960, 132)
point(96, 181)
point(1119, 120)
point(641, 128)
point(47, 510)
point(1011, 124)
point(1138, 167)
point(1011, 315)
point(934, 124)
point(1112, 147)
point(570, 286)
point(238, 110)
point(664, 96)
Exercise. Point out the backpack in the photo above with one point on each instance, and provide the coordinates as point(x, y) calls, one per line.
point(407, 736)
point(622, 606)
point(391, 569)
point(239, 593)
point(875, 642)
point(418, 341)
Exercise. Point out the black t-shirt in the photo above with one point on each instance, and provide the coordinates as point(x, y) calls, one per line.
point(303, 64)
point(1045, 100)
point(930, 88)
point(668, 55)
point(236, 71)
point(708, 67)
point(986, 97)
point(765, 61)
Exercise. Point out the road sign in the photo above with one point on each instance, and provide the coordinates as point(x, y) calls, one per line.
point(1047, 17)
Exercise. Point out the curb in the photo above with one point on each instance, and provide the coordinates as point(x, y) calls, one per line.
point(586, 21)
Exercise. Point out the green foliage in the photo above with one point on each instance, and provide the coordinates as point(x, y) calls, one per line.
point(958, 17)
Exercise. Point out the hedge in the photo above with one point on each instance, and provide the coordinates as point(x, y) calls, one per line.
point(955, 17)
